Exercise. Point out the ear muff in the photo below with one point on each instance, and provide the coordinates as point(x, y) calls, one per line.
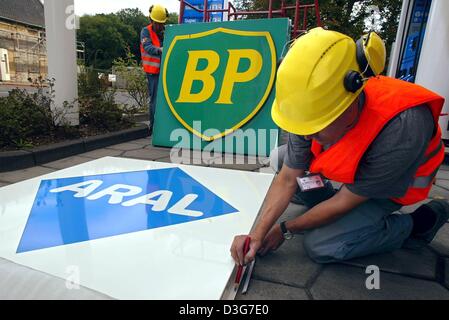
point(353, 81)
point(361, 57)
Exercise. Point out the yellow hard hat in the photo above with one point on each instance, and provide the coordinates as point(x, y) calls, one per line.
point(320, 78)
point(374, 53)
point(158, 13)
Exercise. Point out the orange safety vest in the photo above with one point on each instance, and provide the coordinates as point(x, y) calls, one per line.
point(385, 98)
point(151, 64)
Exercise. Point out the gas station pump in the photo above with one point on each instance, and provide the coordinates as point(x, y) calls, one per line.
point(414, 36)
point(421, 51)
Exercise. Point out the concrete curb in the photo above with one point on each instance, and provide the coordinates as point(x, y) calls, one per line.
point(21, 159)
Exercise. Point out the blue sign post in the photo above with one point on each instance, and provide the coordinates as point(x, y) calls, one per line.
point(192, 16)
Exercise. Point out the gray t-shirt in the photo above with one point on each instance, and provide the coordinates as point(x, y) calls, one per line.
point(388, 166)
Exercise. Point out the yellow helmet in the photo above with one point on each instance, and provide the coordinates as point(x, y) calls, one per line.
point(158, 13)
point(321, 76)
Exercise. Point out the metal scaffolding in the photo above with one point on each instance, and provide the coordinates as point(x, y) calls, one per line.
point(301, 11)
point(28, 57)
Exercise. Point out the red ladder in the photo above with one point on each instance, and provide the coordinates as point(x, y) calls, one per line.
point(300, 10)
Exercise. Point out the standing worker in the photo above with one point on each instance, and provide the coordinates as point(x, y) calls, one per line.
point(378, 136)
point(151, 45)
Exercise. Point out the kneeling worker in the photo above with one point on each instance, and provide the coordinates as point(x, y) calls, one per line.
point(376, 135)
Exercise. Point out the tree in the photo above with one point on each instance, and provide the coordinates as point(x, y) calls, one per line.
point(137, 20)
point(346, 16)
point(173, 18)
point(106, 38)
point(110, 37)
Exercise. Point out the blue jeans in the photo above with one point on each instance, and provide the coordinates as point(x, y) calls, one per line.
point(153, 80)
point(370, 228)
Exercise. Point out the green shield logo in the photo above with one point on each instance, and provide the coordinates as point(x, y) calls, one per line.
point(221, 77)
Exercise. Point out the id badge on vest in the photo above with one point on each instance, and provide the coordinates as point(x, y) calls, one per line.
point(310, 182)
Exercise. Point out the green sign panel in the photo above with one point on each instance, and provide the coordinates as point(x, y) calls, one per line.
point(216, 84)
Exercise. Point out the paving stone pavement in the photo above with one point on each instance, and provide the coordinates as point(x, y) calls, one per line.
point(67, 162)
point(263, 290)
point(127, 146)
point(339, 282)
point(24, 174)
point(100, 153)
point(441, 242)
point(414, 273)
point(403, 262)
point(446, 281)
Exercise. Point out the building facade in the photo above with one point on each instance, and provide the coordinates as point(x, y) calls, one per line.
point(22, 41)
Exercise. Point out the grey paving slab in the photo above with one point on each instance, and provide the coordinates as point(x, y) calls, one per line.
point(100, 153)
point(147, 154)
point(441, 241)
point(442, 183)
point(142, 142)
point(67, 162)
point(443, 173)
point(24, 174)
point(438, 193)
point(419, 262)
point(340, 282)
point(288, 265)
point(194, 157)
point(127, 146)
point(446, 272)
point(265, 161)
point(263, 290)
point(235, 164)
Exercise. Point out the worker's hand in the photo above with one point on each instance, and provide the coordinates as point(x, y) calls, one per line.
point(237, 249)
point(161, 49)
point(273, 240)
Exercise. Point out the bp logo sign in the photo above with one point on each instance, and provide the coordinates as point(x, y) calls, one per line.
point(221, 77)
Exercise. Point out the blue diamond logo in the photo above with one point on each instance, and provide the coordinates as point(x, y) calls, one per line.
point(72, 210)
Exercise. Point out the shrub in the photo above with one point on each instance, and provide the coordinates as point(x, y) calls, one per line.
point(27, 119)
point(23, 115)
point(135, 80)
point(97, 104)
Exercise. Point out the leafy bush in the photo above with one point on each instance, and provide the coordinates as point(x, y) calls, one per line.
point(97, 104)
point(136, 82)
point(23, 115)
point(28, 119)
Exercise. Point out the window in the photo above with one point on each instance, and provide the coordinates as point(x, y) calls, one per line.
point(5, 58)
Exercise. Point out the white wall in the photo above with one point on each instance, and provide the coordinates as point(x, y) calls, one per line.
point(433, 68)
point(61, 51)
